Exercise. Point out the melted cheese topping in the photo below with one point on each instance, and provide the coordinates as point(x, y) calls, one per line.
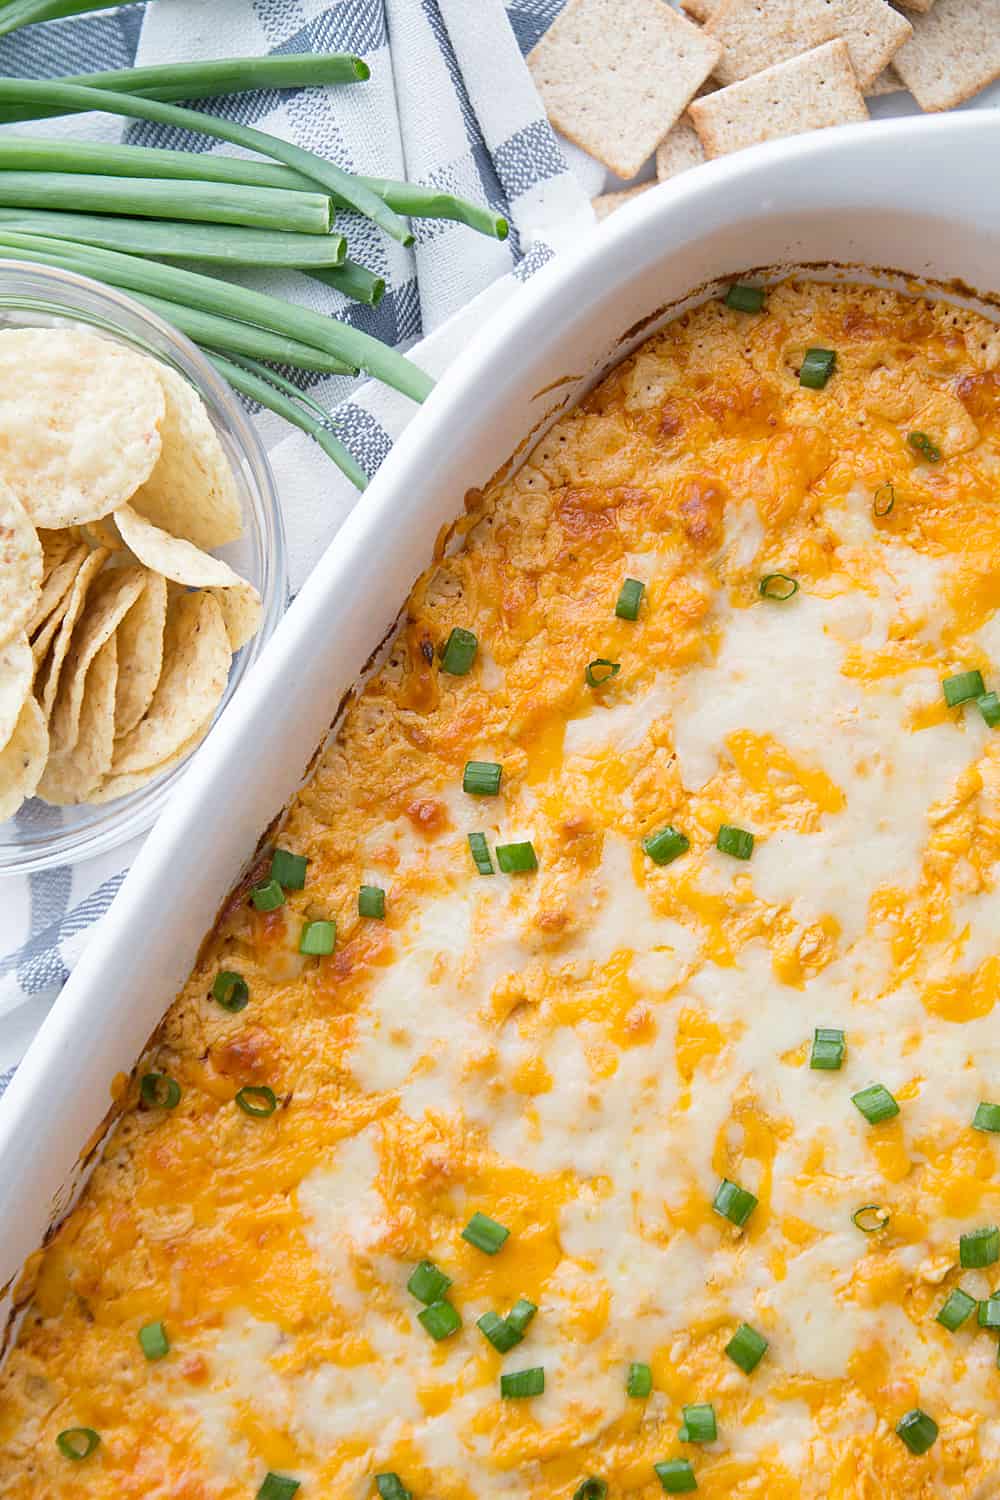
point(584, 1053)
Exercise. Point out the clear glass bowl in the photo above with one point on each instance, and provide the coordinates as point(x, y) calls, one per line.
point(35, 296)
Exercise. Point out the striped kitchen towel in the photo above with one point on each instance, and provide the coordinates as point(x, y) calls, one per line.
point(449, 104)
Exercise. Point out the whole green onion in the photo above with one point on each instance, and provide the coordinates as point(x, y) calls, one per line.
point(228, 336)
point(17, 13)
point(215, 244)
point(150, 198)
point(353, 280)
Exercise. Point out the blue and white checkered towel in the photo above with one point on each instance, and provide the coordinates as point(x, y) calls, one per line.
point(449, 104)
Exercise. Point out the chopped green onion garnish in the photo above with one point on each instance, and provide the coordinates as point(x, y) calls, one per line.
point(665, 846)
point(747, 1348)
point(979, 1248)
point(427, 1283)
point(870, 1217)
point(987, 1117)
point(498, 1330)
point(923, 445)
point(962, 687)
point(230, 990)
point(778, 586)
point(153, 1340)
point(159, 1091)
point(77, 1442)
point(885, 499)
point(521, 1383)
point(440, 1319)
point(955, 1309)
point(482, 778)
point(371, 901)
point(288, 869)
point(747, 299)
point(390, 1487)
point(480, 851)
point(629, 599)
point(318, 938)
point(989, 707)
point(875, 1103)
point(918, 1430)
point(267, 896)
point(278, 1487)
point(817, 367)
point(591, 1489)
point(600, 671)
point(640, 1381)
point(734, 841)
point(699, 1425)
point(828, 1049)
point(459, 652)
point(485, 1233)
point(521, 1314)
point(676, 1476)
point(989, 1312)
point(257, 1100)
point(733, 1202)
point(517, 859)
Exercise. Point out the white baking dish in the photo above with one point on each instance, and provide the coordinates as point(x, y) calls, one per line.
point(919, 196)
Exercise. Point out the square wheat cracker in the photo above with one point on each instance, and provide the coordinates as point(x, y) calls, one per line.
point(614, 75)
point(606, 203)
point(809, 92)
point(679, 150)
point(954, 52)
point(921, 7)
point(754, 37)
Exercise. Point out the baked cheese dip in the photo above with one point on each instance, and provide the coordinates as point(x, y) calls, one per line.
point(596, 1092)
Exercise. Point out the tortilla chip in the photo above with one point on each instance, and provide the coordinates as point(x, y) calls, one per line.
point(22, 759)
point(754, 37)
point(20, 565)
point(806, 93)
point(241, 612)
point(75, 601)
point(57, 585)
point(953, 53)
point(108, 602)
point(70, 775)
point(196, 659)
point(114, 787)
point(614, 75)
point(192, 491)
point(79, 422)
point(140, 653)
point(16, 671)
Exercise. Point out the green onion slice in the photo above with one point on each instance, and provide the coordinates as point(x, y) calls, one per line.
point(918, 1430)
point(885, 499)
point(517, 859)
point(77, 1443)
point(499, 1332)
point(230, 990)
point(734, 1202)
point(817, 367)
point(591, 1489)
point(153, 1341)
point(828, 1049)
point(745, 299)
point(522, 1383)
point(955, 1309)
point(629, 599)
point(521, 1314)
point(870, 1218)
point(987, 1117)
point(876, 1103)
point(676, 1476)
point(485, 1233)
point(989, 1312)
point(962, 687)
point(600, 671)
point(440, 1319)
point(278, 1487)
point(747, 1348)
point(289, 869)
point(391, 1487)
point(699, 1425)
point(735, 841)
point(989, 706)
point(427, 1283)
point(480, 851)
point(459, 652)
point(159, 1091)
point(482, 778)
point(371, 901)
point(666, 846)
point(267, 896)
point(778, 586)
point(979, 1248)
point(924, 446)
point(257, 1100)
point(639, 1382)
point(318, 938)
